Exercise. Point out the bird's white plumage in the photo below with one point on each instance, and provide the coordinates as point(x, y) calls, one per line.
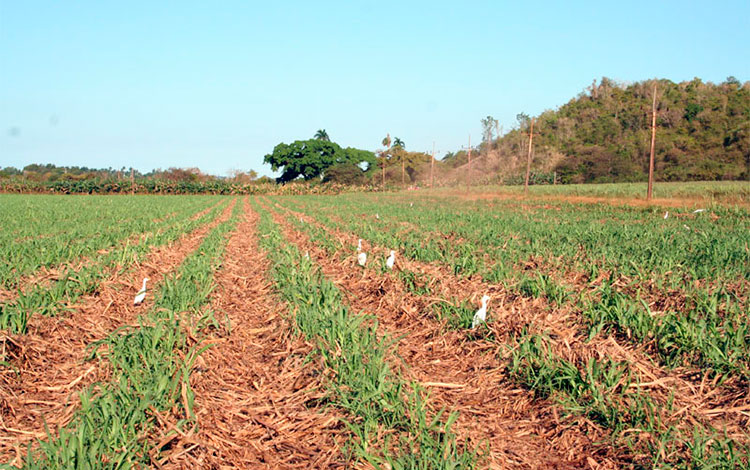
point(666, 214)
point(698, 211)
point(377, 216)
point(362, 258)
point(391, 259)
point(481, 315)
point(141, 293)
point(359, 245)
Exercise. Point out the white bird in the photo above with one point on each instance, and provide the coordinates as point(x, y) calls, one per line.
point(391, 259)
point(362, 258)
point(698, 211)
point(377, 216)
point(141, 293)
point(307, 255)
point(666, 214)
point(481, 314)
point(359, 245)
point(411, 204)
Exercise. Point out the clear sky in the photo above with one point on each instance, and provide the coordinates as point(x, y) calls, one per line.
point(216, 85)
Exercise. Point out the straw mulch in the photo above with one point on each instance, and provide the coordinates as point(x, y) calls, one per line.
point(49, 361)
point(465, 376)
point(256, 397)
point(694, 395)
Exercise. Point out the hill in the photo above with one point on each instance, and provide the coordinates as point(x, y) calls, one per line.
point(603, 135)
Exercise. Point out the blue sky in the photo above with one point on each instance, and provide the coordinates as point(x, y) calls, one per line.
point(217, 84)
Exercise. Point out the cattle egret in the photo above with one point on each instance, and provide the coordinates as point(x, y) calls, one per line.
point(698, 211)
point(362, 258)
point(391, 259)
point(377, 216)
point(141, 293)
point(481, 314)
point(666, 214)
point(411, 204)
point(359, 245)
point(307, 255)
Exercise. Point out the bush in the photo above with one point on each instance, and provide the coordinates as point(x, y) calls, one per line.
point(344, 173)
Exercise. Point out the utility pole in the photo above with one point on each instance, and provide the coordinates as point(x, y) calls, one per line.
point(653, 145)
point(387, 144)
point(383, 166)
point(528, 159)
point(403, 171)
point(132, 182)
point(432, 166)
point(497, 129)
point(468, 176)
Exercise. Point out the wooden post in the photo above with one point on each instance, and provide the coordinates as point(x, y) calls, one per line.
point(432, 166)
point(403, 171)
point(497, 130)
point(653, 145)
point(383, 165)
point(132, 182)
point(468, 175)
point(528, 159)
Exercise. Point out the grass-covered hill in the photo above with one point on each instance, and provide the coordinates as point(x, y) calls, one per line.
point(603, 135)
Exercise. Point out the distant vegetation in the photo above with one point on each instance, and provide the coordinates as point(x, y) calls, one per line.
point(81, 180)
point(601, 136)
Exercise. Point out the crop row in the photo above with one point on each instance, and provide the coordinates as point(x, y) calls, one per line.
point(150, 365)
point(362, 380)
point(44, 231)
point(601, 390)
point(706, 328)
point(74, 282)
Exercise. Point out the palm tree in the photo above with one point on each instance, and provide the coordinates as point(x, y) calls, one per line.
point(322, 135)
point(398, 143)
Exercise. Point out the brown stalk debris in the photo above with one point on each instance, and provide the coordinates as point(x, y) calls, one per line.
point(696, 401)
point(49, 367)
point(255, 395)
point(462, 375)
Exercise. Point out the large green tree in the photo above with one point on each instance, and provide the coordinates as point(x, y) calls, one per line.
point(311, 158)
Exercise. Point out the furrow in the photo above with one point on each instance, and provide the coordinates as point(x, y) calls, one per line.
point(461, 376)
point(50, 363)
point(254, 392)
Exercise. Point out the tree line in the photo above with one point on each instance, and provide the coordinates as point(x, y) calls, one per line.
point(602, 135)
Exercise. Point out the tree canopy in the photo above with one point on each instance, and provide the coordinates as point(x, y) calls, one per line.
point(311, 158)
